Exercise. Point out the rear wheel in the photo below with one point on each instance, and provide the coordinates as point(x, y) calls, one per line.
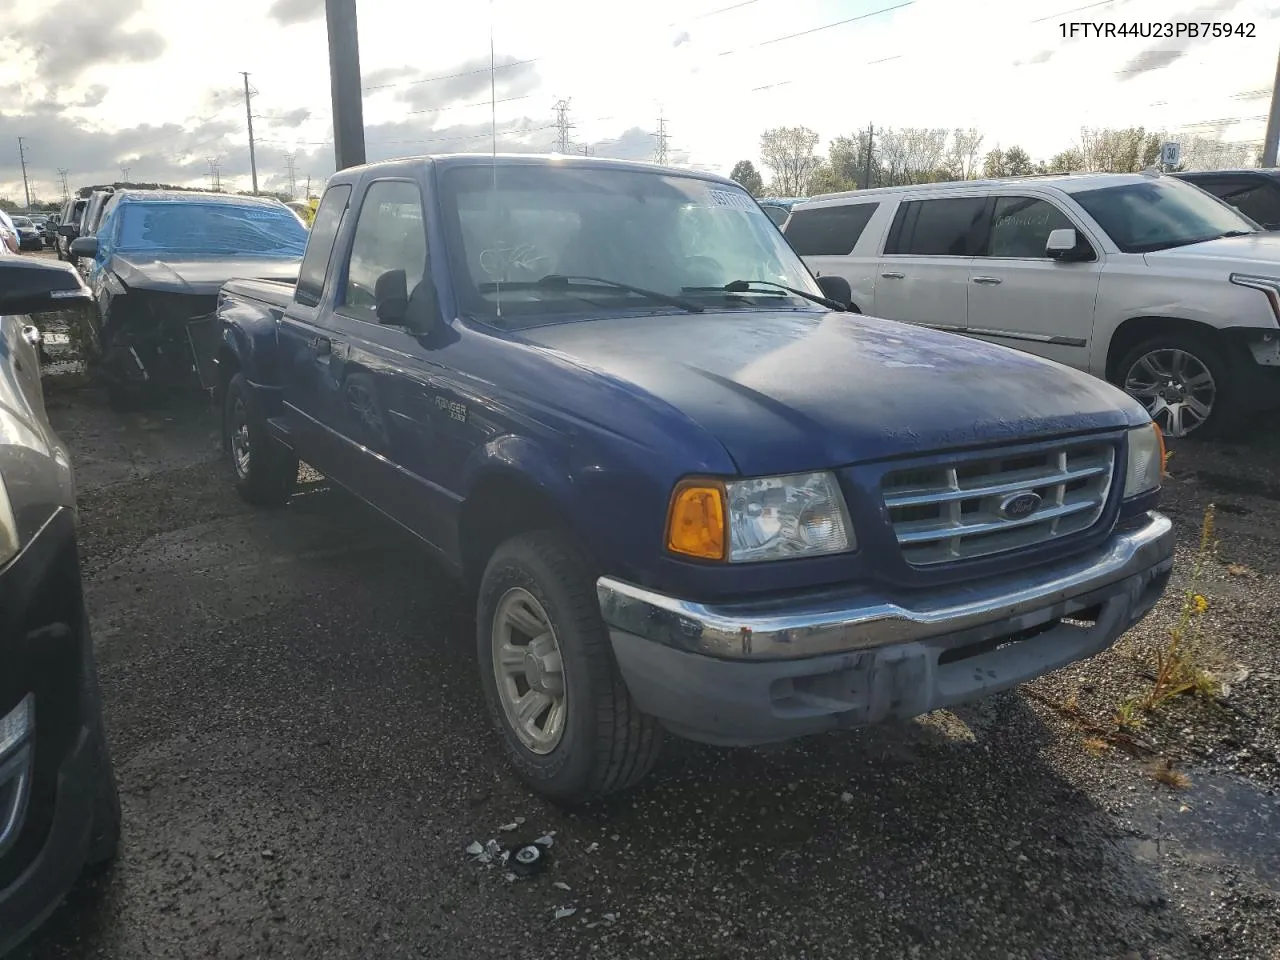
point(1185, 382)
point(554, 692)
point(264, 470)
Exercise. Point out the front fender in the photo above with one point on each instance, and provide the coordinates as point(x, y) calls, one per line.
point(519, 458)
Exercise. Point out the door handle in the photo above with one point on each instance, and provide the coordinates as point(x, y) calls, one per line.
point(893, 275)
point(987, 280)
point(323, 346)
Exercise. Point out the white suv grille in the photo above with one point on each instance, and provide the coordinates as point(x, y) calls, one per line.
point(976, 508)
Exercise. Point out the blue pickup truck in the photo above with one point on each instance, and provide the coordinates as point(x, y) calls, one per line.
point(689, 490)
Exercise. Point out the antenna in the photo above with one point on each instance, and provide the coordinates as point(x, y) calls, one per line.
point(493, 156)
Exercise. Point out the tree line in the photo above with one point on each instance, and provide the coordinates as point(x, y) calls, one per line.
point(891, 157)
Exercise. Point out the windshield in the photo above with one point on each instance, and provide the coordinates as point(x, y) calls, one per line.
point(1156, 215)
point(209, 229)
point(654, 231)
point(21, 222)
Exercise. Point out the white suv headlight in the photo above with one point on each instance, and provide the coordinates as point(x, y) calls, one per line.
point(1145, 460)
point(799, 515)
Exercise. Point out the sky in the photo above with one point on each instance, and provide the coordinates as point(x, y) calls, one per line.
point(155, 86)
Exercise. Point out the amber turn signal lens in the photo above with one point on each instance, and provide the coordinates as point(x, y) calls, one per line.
point(695, 522)
point(1164, 456)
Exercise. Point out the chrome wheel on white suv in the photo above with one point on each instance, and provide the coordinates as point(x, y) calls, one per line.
point(1184, 381)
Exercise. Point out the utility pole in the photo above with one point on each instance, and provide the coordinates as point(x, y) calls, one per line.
point(293, 175)
point(871, 134)
point(248, 113)
point(308, 196)
point(66, 189)
point(344, 83)
point(22, 158)
point(563, 126)
point(124, 174)
point(215, 175)
point(1273, 124)
point(660, 154)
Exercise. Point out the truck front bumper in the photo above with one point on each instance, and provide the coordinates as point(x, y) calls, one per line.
point(768, 670)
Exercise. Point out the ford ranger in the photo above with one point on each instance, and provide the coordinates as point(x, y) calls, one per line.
point(692, 492)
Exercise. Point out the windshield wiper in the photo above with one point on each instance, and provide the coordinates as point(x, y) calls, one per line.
point(744, 286)
point(557, 281)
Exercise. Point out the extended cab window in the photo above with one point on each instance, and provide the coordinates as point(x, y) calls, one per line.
point(828, 231)
point(320, 244)
point(937, 228)
point(1020, 227)
point(390, 235)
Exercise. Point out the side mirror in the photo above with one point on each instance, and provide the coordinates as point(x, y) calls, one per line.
point(28, 285)
point(68, 230)
point(837, 289)
point(86, 247)
point(1061, 244)
point(391, 297)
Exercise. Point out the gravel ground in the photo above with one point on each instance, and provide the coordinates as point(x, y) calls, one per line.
point(303, 758)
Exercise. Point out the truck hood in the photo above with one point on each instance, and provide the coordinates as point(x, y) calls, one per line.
point(790, 391)
point(198, 276)
point(1259, 252)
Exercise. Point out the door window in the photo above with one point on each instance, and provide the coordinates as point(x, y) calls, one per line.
point(390, 235)
point(946, 227)
point(1020, 227)
point(315, 261)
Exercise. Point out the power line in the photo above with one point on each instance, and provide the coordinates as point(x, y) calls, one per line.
point(819, 29)
point(22, 158)
point(713, 13)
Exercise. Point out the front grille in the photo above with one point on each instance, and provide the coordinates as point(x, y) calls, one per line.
point(967, 509)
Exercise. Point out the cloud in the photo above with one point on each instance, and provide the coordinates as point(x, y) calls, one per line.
point(469, 81)
point(681, 38)
point(1044, 56)
point(384, 76)
point(70, 37)
point(1160, 55)
point(289, 118)
point(288, 12)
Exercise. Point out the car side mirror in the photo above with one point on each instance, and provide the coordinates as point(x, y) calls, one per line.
point(86, 247)
point(837, 289)
point(68, 230)
point(1062, 244)
point(28, 285)
point(391, 298)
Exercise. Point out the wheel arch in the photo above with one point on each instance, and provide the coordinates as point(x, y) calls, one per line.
point(1136, 329)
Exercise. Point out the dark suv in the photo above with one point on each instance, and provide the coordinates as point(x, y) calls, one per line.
point(1255, 193)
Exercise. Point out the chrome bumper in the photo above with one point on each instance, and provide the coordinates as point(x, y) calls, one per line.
point(853, 618)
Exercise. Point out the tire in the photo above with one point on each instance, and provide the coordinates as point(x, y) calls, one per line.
point(263, 470)
point(1200, 356)
point(605, 744)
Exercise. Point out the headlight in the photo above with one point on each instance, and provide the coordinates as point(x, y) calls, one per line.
point(1145, 467)
point(767, 518)
point(8, 528)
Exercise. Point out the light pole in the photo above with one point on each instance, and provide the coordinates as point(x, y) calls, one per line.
point(344, 80)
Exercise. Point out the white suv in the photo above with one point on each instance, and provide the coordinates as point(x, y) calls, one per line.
point(1144, 280)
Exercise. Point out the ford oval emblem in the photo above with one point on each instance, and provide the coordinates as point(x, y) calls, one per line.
point(1018, 506)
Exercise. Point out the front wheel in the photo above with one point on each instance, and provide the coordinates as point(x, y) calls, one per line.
point(567, 722)
point(1185, 382)
point(263, 469)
